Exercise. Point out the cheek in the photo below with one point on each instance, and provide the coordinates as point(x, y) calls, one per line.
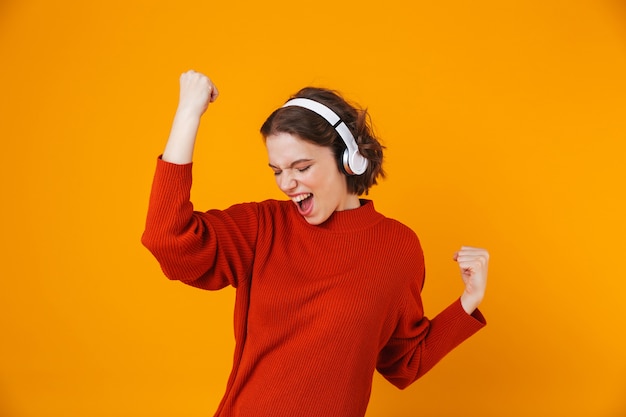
point(332, 185)
point(317, 181)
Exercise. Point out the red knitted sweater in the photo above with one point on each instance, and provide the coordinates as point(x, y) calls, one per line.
point(318, 308)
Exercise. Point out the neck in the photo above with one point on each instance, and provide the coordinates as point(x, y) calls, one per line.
point(351, 202)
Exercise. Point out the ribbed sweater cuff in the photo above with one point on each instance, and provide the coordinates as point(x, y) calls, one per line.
point(170, 177)
point(170, 166)
point(457, 317)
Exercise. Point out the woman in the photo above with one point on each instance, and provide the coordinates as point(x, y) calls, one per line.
point(328, 289)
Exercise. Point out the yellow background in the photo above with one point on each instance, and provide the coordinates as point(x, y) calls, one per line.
point(505, 128)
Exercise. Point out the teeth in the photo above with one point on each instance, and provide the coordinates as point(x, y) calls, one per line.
point(300, 197)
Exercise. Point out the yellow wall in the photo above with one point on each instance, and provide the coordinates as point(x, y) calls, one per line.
point(505, 128)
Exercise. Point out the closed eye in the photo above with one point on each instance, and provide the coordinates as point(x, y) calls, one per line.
point(277, 173)
point(301, 165)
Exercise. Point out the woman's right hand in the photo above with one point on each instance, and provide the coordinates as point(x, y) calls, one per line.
point(197, 91)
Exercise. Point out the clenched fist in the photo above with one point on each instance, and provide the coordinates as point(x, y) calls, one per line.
point(196, 92)
point(473, 263)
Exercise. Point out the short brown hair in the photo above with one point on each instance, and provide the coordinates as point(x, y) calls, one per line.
point(308, 126)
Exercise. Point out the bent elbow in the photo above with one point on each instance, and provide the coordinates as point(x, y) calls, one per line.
point(164, 254)
point(401, 375)
point(401, 382)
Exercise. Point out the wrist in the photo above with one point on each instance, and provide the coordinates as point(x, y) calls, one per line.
point(470, 302)
point(188, 114)
point(190, 109)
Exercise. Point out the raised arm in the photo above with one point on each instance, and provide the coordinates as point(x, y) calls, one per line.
point(197, 91)
point(184, 241)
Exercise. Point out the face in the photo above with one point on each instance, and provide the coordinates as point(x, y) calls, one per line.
point(309, 176)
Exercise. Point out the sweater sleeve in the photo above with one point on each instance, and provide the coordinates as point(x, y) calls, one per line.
point(418, 343)
point(206, 250)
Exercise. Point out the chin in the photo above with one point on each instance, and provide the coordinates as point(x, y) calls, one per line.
point(315, 220)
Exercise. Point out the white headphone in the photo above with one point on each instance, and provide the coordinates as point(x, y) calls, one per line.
point(353, 162)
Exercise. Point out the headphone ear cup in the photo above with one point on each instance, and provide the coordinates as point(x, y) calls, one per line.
point(342, 163)
point(345, 163)
point(352, 164)
point(357, 163)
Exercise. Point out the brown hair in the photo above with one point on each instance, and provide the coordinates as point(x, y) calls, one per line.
point(311, 127)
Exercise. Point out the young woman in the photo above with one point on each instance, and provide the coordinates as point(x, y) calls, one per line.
point(328, 289)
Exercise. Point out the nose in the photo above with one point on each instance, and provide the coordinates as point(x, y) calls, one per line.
point(286, 181)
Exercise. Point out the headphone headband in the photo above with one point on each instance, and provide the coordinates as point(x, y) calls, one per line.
point(353, 162)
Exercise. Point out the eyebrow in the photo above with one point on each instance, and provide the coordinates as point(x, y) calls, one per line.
point(294, 163)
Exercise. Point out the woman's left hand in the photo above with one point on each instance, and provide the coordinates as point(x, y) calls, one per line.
point(473, 263)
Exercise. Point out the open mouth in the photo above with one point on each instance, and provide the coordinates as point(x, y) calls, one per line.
point(304, 202)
